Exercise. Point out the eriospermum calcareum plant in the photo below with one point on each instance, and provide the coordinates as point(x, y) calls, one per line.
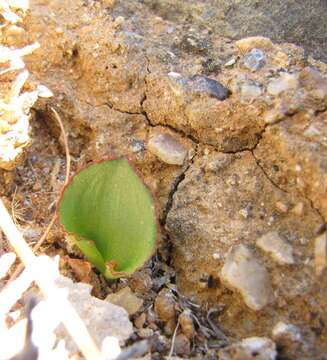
point(109, 213)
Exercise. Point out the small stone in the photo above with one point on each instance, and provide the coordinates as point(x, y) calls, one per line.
point(259, 42)
point(311, 131)
point(273, 116)
point(279, 250)
point(145, 333)
point(298, 209)
point(165, 305)
point(186, 323)
point(211, 87)
point(140, 321)
point(242, 271)
point(109, 3)
point(140, 282)
point(167, 148)
point(285, 82)
point(320, 253)
point(283, 330)
point(137, 146)
point(230, 62)
point(254, 60)
point(281, 207)
point(44, 92)
point(126, 299)
point(119, 21)
point(182, 345)
point(253, 348)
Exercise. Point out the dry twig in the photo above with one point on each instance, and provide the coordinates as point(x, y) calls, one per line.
point(173, 340)
point(54, 217)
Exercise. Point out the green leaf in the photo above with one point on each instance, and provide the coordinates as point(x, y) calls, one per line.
point(110, 214)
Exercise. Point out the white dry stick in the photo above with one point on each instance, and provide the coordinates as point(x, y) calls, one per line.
point(7, 13)
point(13, 292)
point(69, 316)
point(6, 261)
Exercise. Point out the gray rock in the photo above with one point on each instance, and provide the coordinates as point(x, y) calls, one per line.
point(213, 88)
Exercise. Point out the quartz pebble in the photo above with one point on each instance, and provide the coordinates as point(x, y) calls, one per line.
point(278, 248)
point(167, 148)
point(256, 348)
point(320, 253)
point(243, 272)
point(254, 60)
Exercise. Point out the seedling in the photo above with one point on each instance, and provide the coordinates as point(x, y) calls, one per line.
point(109, 213)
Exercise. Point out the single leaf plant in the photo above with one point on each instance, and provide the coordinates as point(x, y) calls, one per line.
point(109, 213)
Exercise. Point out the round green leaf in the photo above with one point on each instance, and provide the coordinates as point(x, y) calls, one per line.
point(110, 214)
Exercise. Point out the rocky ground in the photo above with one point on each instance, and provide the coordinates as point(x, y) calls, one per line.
point(231, 136)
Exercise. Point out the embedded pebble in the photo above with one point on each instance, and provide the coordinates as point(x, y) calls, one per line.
point(276, 247)
point(145, 333)
point(298, 209)
point(249, 90)
point(165, 305)
point(243, 272)
point(311, 131)
point(254, 60)
point(320, 252)
point(259, 42)
point(273, 116)
point(285, 82)
point(283, 330)
point(282, 207)
point(256, 348)
point(126, 299)
point(211, 87)
point(167, 148)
